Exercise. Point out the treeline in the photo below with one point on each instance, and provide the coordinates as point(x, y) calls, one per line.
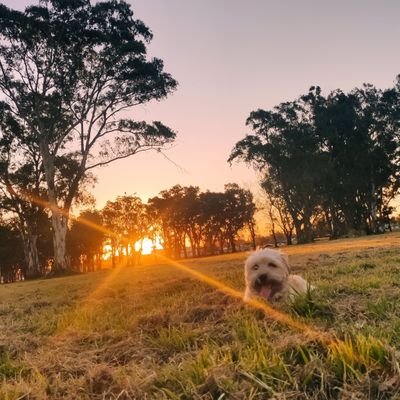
point(330, 163)
point(184, 221)
point(206, 222)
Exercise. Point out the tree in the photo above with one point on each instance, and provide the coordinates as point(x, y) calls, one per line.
point(10, 261)
point(21, 182)
point(168, 212)
point(84, 243)
point(285, 148)
point(213, 206)
point(156, 211)
point(359, 140)
point(126, 218)
point(208, 221)
point(189, 211)
point(69, 72)
point(279, 214)
point(239, 212)
point(333, 158)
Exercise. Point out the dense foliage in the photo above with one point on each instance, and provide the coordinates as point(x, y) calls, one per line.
point(69, 73)
point(329, 160)
point(208, 222)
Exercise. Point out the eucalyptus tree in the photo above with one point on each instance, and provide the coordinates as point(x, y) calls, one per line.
point(207, 221)
point(10, 261)
point(279, 215)
point(69, 72)
point(213, 219)
point(189, 206)
point(157, 216)
point(359, 138)
point(21, 182)
point(126, 219)
point(337, 154)
point(239, 210)
point(285, 148)
point(85, 243)
point(380, 162)
point(168, 211)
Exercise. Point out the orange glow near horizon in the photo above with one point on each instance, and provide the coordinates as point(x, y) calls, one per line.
point(146, 246)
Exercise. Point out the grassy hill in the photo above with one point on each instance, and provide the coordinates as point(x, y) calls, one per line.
point(156, 332)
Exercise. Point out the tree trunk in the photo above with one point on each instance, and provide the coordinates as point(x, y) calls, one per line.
point(59, 218)
point(31, 256)
point(232, 243)
point(60, 226)
point(308, 231)
point(274, 236)
point(113, 264)
point(185, 255)
point(303, 234)
point(271, 215)
point(221, 245)
point(299, 232)
point(373, 210)
point(332, 222)
point(192, 245)
point(288, 236)
point(252, 234)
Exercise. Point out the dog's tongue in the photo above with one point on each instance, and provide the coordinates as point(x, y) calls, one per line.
point(266, 291)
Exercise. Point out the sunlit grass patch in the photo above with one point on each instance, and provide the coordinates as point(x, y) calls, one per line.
point(194, 377)
point(311, 306)
point(357, 355)
point(355, 268)
point(361, 284)
point(174, 339)
point(96, 318)
point(246, 329)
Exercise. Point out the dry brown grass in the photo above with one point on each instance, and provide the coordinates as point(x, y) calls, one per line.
point(154, 332)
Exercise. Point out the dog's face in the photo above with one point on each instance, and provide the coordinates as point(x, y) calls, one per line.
point(266, 273)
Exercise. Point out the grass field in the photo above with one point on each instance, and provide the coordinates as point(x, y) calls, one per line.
point(155, 332)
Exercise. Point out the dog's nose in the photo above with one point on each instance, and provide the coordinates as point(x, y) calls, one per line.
point(262, 279)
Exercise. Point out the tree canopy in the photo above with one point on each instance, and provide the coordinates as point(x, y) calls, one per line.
point(70, 72)
point(334, 157)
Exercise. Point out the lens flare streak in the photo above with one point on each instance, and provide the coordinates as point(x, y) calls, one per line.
point(270, 312)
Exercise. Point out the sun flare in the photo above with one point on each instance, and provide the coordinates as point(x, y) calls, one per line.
point(145, 246)
point(148, 246)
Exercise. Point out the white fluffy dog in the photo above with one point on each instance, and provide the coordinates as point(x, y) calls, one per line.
point(267, 275)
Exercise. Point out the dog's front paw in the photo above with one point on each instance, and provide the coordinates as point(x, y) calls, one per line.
point(277, 297)
point(247, 296)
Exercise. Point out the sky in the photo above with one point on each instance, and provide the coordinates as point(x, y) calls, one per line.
point(231, 57)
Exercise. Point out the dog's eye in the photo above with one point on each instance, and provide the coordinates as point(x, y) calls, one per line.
point(272, 265)
point(255, 267)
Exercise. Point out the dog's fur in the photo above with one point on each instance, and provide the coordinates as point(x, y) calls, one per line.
point(267, 275)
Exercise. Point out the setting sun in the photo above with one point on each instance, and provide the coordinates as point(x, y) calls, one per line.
point(147, 245)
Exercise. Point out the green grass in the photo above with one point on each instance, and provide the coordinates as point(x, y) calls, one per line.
point(153, 332)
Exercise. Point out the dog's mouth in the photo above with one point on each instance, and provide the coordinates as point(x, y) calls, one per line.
point(267, 288)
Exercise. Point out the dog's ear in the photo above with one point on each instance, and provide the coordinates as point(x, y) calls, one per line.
point(285, 259)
